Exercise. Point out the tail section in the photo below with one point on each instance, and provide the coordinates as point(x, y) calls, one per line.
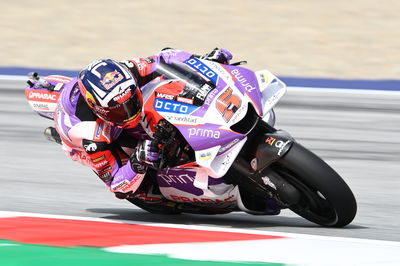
point(43, 93)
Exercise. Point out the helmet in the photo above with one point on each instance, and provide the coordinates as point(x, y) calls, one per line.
point(111, 91)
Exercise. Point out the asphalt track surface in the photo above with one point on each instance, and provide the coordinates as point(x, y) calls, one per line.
point(355, 132)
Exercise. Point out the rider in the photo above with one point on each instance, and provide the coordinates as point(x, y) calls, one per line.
point(101, 109)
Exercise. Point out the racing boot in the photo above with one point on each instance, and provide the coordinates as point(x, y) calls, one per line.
point(51, 134)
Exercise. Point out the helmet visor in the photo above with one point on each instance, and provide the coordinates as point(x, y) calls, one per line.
point(121, 113)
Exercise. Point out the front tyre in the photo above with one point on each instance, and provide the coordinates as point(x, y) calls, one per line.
point(325, 198)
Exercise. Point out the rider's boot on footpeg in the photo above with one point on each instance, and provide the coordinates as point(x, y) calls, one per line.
point(51, 134)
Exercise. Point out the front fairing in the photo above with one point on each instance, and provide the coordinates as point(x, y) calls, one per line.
point(213, 106)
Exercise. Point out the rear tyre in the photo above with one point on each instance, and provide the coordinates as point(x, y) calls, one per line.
point(325, 198)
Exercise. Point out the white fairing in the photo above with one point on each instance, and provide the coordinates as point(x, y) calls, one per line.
point(272, 89)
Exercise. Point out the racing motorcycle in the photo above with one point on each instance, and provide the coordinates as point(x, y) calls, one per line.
point(220, 152)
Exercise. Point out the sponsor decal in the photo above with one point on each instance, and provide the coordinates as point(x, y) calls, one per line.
point(105, 169)
point(99, 109)
point(229, 145)
point(205, 156)
point(106, 177)
point(101, 164)
point(221, 72)
point(164, 96)
point(270, 140)
point(280, 144)
point(210, 96)
point(43, 95)
point(184, 100)
point(227, 161)
point(163, 105)
point(242, 80)
point(111, 78)
point(238, 114)
point(123, 96)
point(146, 197)
point(202, 200)
point(120, 185)
point(182, 119)
point(268, 182)
point(177, 179)
point(202, 68)
point(98, 159)
point(126, 186)
point(263, 78)
point(205, 133)
point(203, 91)
point(90, 147)
point(42, 106)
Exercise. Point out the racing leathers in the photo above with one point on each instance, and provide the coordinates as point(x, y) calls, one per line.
point(103, 147)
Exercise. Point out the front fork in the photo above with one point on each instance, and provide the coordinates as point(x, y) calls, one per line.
point(265, 146)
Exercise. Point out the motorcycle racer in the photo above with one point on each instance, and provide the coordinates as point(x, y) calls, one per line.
point(98, 114)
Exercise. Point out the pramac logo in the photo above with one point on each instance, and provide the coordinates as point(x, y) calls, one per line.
point(41, 96)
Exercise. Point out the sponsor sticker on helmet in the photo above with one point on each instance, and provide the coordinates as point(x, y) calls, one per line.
point(110, 79)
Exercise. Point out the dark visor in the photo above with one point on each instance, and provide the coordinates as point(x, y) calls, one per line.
point(121, 113)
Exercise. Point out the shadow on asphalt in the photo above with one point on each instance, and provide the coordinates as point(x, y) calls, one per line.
point(236, 220)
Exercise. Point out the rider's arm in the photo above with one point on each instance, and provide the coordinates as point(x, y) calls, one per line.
point(113, 167)
point(102, 153)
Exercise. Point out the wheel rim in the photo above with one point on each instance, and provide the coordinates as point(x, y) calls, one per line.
point(313, 205)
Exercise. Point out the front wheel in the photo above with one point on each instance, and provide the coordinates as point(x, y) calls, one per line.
point(325, 198)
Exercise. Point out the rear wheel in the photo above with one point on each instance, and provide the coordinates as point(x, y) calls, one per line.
point(325, 198)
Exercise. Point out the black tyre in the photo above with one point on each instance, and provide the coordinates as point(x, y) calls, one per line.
point(325, 198)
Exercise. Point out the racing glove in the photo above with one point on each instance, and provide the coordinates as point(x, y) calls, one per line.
point(222, 56)
point(145, 154)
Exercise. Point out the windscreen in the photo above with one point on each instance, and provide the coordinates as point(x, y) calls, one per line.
point(197, 86)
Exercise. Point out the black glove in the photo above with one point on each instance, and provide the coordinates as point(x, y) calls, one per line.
point(146, 154)
point(222, 56)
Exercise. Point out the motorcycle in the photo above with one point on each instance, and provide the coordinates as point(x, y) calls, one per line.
point(220, 152)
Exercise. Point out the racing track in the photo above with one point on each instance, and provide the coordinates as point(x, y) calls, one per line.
point(355, 132)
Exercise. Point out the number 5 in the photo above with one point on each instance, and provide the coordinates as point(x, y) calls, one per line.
point(227, 104)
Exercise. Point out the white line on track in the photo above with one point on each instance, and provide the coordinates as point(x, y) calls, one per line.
point(294, 249)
